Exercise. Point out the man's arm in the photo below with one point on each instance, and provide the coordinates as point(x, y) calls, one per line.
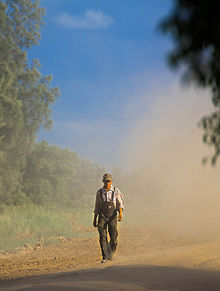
point(95, 220)
point(97, 208)
point(119, 204)
point(120, 215)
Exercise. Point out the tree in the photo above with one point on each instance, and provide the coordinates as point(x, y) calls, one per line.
point(60, 176)
point(25, 95)
point(195, 29)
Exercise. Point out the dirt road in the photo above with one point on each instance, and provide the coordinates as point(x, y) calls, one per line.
point(148, 258)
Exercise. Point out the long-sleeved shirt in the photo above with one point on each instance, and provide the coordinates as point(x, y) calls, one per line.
point(103, 196)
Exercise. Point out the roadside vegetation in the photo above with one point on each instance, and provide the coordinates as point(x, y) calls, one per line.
point(26, 225)
point(43, 189)
point(55, 198)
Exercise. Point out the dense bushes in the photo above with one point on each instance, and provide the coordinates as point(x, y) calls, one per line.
point(60, 176)
point(55, 175)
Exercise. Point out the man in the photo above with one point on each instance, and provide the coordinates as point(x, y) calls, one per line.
point(109, 202)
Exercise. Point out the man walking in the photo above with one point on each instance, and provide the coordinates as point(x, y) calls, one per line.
point(109, 202)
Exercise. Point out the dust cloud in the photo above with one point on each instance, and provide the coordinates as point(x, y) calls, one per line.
point(165, 148)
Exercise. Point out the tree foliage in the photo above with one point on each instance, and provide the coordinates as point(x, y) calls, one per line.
point(33, 172)
point(25, 95)
point(195, 29)
point(60, 176)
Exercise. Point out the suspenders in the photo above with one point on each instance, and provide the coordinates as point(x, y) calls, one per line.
point(112, 198)
point(108, 209)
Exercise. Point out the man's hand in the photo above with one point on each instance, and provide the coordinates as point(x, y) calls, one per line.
point(95, 220)
point(120, 215)
point(95, 223)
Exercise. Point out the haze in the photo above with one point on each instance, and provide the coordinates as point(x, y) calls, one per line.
point(165, 147)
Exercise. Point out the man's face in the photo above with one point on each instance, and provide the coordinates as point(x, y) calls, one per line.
point(107, 184)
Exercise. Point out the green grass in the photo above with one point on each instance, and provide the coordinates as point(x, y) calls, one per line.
point(30, 224)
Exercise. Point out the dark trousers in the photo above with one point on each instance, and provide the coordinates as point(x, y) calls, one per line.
point(107, 225)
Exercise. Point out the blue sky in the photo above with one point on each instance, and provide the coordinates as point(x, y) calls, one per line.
point(103, 55)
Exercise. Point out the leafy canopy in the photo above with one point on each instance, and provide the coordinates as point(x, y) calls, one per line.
point(25, 95)
point(195, 29)
point(33, 172)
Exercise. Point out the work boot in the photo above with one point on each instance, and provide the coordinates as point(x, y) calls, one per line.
point(105, 260)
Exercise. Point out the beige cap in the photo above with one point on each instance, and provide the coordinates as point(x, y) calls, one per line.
point(107, 177)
